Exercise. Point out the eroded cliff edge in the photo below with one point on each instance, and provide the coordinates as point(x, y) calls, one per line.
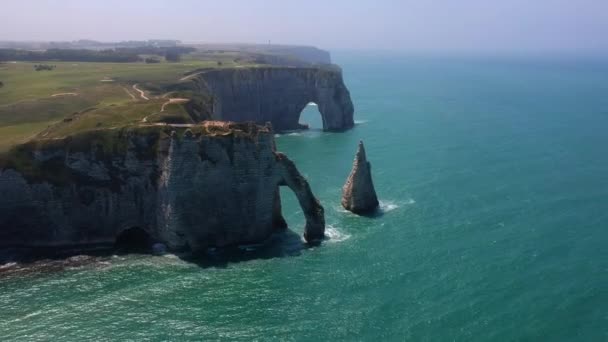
point(211, 185)
point(277, 95)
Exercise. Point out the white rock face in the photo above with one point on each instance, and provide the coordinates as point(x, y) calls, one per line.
point(358, 193)
point(187, 190)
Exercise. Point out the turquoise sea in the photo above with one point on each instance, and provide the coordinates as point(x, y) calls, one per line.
point(493, 178)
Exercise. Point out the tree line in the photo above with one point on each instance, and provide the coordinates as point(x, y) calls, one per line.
point(118, 55)
point(43, 67)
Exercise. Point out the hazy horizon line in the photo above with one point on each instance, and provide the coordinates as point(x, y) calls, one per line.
point(564, 52)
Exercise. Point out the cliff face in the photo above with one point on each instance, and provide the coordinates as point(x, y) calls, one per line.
point(358, 194)
point(308, 54)
point(211, 185)
point(278, 95)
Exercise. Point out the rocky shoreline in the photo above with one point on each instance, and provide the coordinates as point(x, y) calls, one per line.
point(209, 185)
point(179, 188)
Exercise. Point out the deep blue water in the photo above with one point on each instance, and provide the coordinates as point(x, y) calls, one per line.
point(493, 178)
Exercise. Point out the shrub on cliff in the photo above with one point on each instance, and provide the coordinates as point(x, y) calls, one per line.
point(69, 55)
point(151, 60)
point(43, 67)
point(173, 56)
point(174, 119)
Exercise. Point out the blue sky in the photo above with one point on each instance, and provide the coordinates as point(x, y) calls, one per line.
point(492, 26)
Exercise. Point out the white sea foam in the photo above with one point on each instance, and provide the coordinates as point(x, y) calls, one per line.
point(340, 209)
point(312, 104)
point(291, 134)
point(8, 265)
point(335, 234)
point(32, 314)
point(127, 299)
point(387, 206)
point(360, 122)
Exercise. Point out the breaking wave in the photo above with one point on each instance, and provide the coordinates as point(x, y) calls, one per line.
point(7, 265)
point(292, 134)
point(335, 235)
point(385, 206)
point(339, 208)
point(388, 206)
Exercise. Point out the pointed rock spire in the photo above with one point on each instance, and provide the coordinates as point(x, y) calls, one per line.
point(358, 194)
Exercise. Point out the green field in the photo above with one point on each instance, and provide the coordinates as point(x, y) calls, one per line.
point(78, 96)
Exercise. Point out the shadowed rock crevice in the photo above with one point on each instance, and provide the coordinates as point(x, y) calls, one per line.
point(133, 239)
point(277, 95)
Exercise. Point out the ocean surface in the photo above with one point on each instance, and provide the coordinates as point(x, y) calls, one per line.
point(493, 179)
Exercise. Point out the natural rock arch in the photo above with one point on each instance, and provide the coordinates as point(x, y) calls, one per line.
point(310, 117)
point(278, 95)
point(211, 185)
point(313, 211)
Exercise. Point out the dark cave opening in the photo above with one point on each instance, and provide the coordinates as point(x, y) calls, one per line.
point(134, 239)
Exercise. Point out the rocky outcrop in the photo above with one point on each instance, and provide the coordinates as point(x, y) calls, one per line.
point(277, 95)
point(211, 185)
point(358, 194)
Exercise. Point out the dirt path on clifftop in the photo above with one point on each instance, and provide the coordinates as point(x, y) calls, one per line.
point(175, 100)
point(128, 92)
point(142, 94)
point(162, 108)
point(64, 94)
point(185, 78)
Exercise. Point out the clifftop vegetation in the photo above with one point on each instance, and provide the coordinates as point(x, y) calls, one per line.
point(107, 144)
point(118, 55)
point(111, 87)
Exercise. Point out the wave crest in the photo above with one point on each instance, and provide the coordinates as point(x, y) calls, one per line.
point(334, 234)
point(387, 206)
